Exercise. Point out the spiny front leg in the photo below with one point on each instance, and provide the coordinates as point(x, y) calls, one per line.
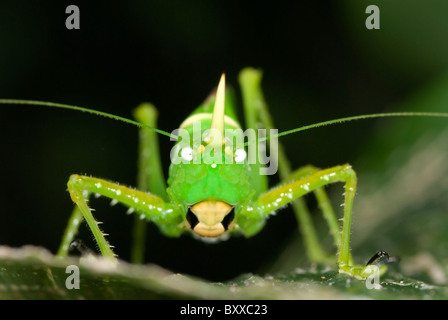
point(151, 207)
point(313, 246)
point(286, 193)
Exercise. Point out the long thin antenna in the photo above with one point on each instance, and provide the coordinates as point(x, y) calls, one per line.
point(355, 118)
point(76, 108)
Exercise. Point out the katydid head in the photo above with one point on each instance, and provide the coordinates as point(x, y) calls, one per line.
point(209, 172)
point(210, 181)
point(209, 193)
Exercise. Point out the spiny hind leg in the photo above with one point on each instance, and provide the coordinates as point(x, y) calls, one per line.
point(256, 111)
point(149, 173)
point(150, 178)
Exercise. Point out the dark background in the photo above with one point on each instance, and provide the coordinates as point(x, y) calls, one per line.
point(319, 62)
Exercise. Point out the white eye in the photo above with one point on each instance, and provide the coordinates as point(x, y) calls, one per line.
point(186, 153)
point(240, 155)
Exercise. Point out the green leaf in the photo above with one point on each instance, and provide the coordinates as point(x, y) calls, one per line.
point(34, 273)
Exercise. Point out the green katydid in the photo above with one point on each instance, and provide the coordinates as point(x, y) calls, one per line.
point(215, 188)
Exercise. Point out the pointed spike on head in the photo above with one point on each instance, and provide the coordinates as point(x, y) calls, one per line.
point(219, 109)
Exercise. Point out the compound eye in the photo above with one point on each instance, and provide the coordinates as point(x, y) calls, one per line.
point(187, 153)
point(240, 155)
